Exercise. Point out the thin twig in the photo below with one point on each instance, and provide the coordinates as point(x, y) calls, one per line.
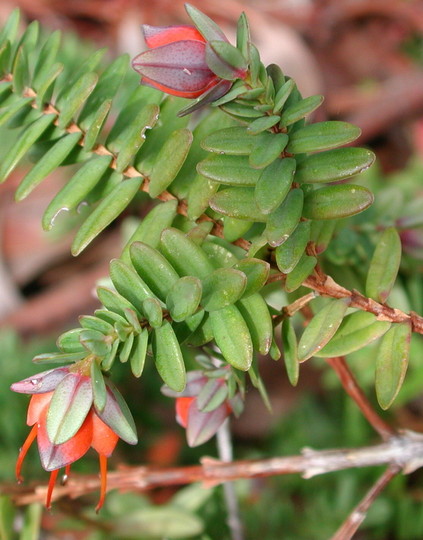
point(404, 451)
point(350, 526)
point(351, 386)
point(224, 447)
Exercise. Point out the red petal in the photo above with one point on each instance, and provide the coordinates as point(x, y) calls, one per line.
point(55, 456)
point(41, 382)
point(188, 95)
point(156, 36)
point(37, 404)
point(104, 439)
point(51, 483)
point(202, 426)
point(182, 409)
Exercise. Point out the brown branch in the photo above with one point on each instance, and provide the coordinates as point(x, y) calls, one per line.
point(352, 388)
point(358, 515)
point(404, 451)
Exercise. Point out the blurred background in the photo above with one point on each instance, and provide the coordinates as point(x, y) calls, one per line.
point(366, 58)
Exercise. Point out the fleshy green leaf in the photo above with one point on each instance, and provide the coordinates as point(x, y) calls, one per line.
point(283, 221)
point(75, 98)
point(206, 26)
point(322, 328)
point(235, 141)
point(230, 55)
point(283, 94)
point(77, 188)
point(117, 416)
point(268, 149)
point(334, 165)
point(46, 59)
point(262, 124)
point(355, 332)
point(125, 351)
point(96, 125)
point(153, 268)
point(95, 342)
point(300, 273)
point(47, 164)
point(113, 301)
point(237, 203)
point(384, 265)
point(138, 353)
point(184, 298)
point(256, 315)
point(274, 184)
point(256, 271)
point(169, 161)
point(168, 357)
point(229, 170)
point(334, 202)
point(322, 136)
point(222, 288)
point(299, 110)
point(129, 284)
point(290, 351)
point(232, 337)
point(153, 311)
point(24, 143)
point(108, 210)
point(392, 362)
point(290, 252)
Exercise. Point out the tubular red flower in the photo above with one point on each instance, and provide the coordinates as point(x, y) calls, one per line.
point(93, 432)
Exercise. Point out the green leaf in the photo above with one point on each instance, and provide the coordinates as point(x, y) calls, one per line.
point(46, 82)
point(107, 362)
point(168, 357)
point(322, 328)
point(334, 202)
point(300, 273)
point(334, 165)
point(46, 59)
point(11, 106)
point(222, 288)
point(153, 311)
point(235, 141)
point(256, 315)
point(69, 341)
point(274, 184)
point(95, 323)
point(113, 301)
point(262, 124)
point(184, 255)
point(235, 228)
point(290, 252)
point(384, 265)
point(229, 170)
point(151, 227)
point(68, 409)
point(105, 90)
point(355, 332)
point(153, 268)
point(31, 528)
point(75, 97)
point(169, 161)
point(125, 351)
point(98, 386)
point(299, 110)
point(95, 342)
point(243, 35)
point(10, 28)
point(283, 94)
point(117, 415)
point(283, 221)
point(219, 66)
point(108, 210)
point(290, 351)
point(268, 149)
point(242, 112)
point(237, 203)
point(392, 362)
point(322, 136)
point(129, 284)
point(24, 143)
point(201, 191)
point(97, 124)
point(232, 337)
point(138, 353)
point(184, 298)
point(47, 164)
point(77, 188)
point(132, 318)
point(59, 358)
point(212, 395)
point(20, 71)
point(206, 26)
point(133, 137)
point(256, 271)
